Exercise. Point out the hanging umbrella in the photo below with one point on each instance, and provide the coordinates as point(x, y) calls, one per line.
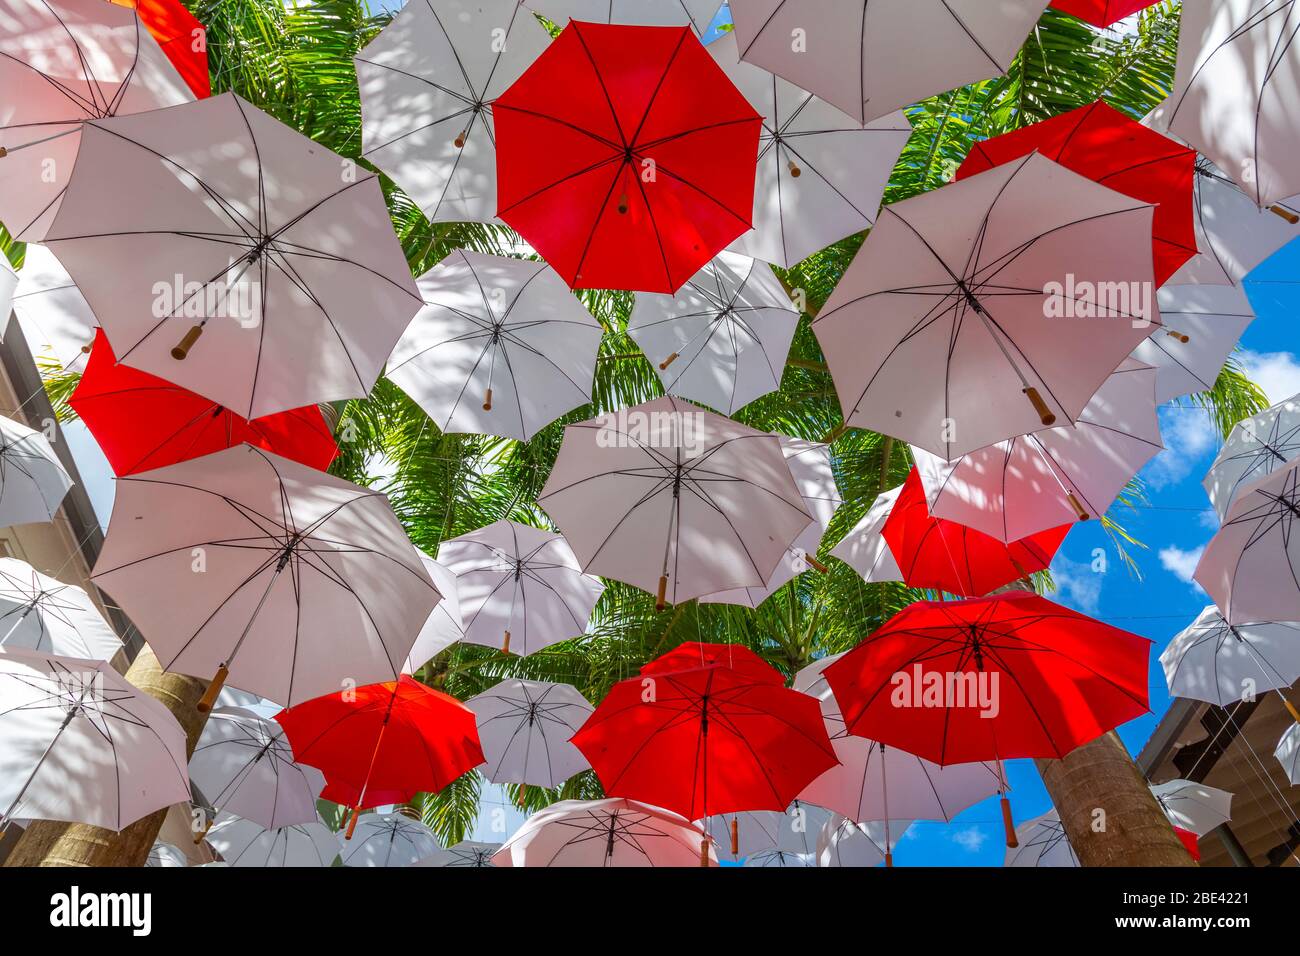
point(748, 834)
point(1101, 13)
point(1220, 663)
point(1288, 753)
point(1021, 487)
point(141, 421)
point(525, 726)
point(389, 840)
point(845, 843)
point(467, 853)
point(286, 580)
point(723, 339)
point(1042, 842)
point(1255, 448)
point(625, 157)
point(864, 548)
point(55, 317)
point(1203, 324)
point(518, 582)
point(63, 63)
point(864, 58)
point(182, 38)
point(234, 240)
point(443, 627)
point(719, 496)
point(165, 855)
point(32, 479)
point(501, 347)
point(83, 745)
point(428, 85)
point(8, 285)
point(1193, 806)
point(972, 314)
point(42, 614)
point(821, 174)
point(244, 843)
point(605, 833)
point(697, 14)
point(782, 858)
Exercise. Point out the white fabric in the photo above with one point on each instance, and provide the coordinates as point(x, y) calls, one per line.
point(651, 13)
point(43, 614)
point(55, 318)
point(1213, 661)
point(1288, 753)
point(761, 831)
point(165, 855)
point(1256, 447)
point(604, 833)
point(467, 853)
point(443, 627)
point(782, 858)
point(243, 843)
point(845, 843)
point(32, 479)
point(1193, 806)
point(8, 286)
point(524, 728)
point(1042, 843)
point(388, 840)
point(1213, 318)
point(864, 548)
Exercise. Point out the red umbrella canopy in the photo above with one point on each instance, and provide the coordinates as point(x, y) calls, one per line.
point(1101, 143)
point(1012, 675)
point(144, 422)
point(182, 38)
point(1101, 13)
point(706, 739)
point(384, 739)
point(625, 156)
point(947, 556)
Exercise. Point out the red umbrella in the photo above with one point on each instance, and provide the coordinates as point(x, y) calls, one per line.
point(947, 556)
point(693, 654)
point(1101, 13)
point(1103, 144)
point(1190, 841)
point(182, 38)
point(143, 422)
point(384, 740)
point(625, 156)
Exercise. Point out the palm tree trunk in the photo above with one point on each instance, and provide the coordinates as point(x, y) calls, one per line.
point(52, 843)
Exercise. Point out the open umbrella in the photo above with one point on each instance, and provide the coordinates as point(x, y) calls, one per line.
point(1193, 806)
point(723, 339)
point(467, 853)
point(1042, 842)
point(845, 843)
point(43, 614)
point(182, 38)
point(524, 727)
point(8, 285)
point(747, 834)
point(32, 479)
point(443, 627)
point(389, 840)
point(697, 14)
point(1288, 753)
point(62, 63)
point(55, 318)
point(719, 496)
point(234, 240)
point(287, 580)
point(626, 157)
point(864, 548)
point(501, 346)
point(244, 843)
point(870, 59)
point(521, 584)
point(1256, 447)
point(990, 308)
point(165, 855)
point(782, 859)
point(1101, 13)
point(1221, 663)
point(1203, 324)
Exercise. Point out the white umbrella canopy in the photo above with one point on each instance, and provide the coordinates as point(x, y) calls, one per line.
point(722, 340)
point(285, 579)
point(747, 834)
point(8, 285)
point(55, 318)
point(845, 843)
point(63, 62)
point(718, 495)
point(232, 239)
point(821, 174)
point(524, 728)
point(245, 843)
point(863, 58)
point(864, 548)
point(1215, 661)
point(165, 855)
point(467, 853)
point(43, 614)
point(1256, 447)
point(520, 588)
point(1052, 477)
point(782, 859)
point(443, 627)
point(1202, 325)
point(990, 308)
point(389, 840)
point(501, 347)
point(1042, 843)
point(32, 479)
point(427, 85)
point(1288, 753)
point(1193, 806)
point(83, 745)
point(698, 14)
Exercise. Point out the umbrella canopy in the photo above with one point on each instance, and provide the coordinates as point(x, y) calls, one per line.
point(165, 855)
point(863, 58)
point(467, 853)
point(182, 39)
point(990, 308)
point(821, 174)
point(56, 715)
point(501, 347)
point(428, 85)
point(236, 241)
point(719, 495)
point(141, 421)
point(782, 859)
point(1029, 484)
point(1193, 806)
point(62, 63)
point(1215, 661)
point(626, 157)
point(845, 843)
point(1288, 753)
point(306, 579)
point(1101, 13)
point(519, 588)
point(723, 339)
point(244, 843)
point(697, 14)
point(443, 627)
point(1042, 843)
point(1203, 324)
point(992, 678)
point(612, 832)
point(864, 548)
point(32, 479)
point(8, 285)
point(748, 834)
point(43, 614)
point(55, 317)
point(389, 840)
point(1256, 447)
point(525, 726)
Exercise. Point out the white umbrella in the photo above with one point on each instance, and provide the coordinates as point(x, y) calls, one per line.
point(427, 84)
point(674, 500)
point(1072, 472)
point(1256, 447)
point(389, 840)
point(524, 728)
point(864, 548)
point(63, 62)
point(870, 59)
point(1042, 843)
point(244, 843)
point(1193, 806)
point(990, 308)
point(519, 584)
point(32, 479)
point(55, 318)
point(165, 855)
point(1220, 663)
point(443, 627)
point(8, 285)
point(285, 579)
point(722, 340)
point(1288, 753)
point(821, 174)
point(782, 858)
point(83, 745)
point(213, 231)
point(467, 853)
point(501, 346)
point(651, 13)
point(1202, 325)
point(845, 843)
point(43, 614)
point(743, 835)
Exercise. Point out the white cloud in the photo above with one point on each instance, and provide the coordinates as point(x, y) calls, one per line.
point(1077, 584)
point(1277, 373)
point(1189, 436)
point(970, 839)
point(1181, 564)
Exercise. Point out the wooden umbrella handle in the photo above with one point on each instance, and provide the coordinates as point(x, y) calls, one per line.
point(1009, 824)
point(735, 836)
point(1045, 414)
point(505, 645)
point(1078, 508)
point(668, 361)
point(487, 401)
point(704, 852)
point(1280, 210)
point(183, 348)
point(662, 593)
point(816, 565)
point(214, 689)
point(352, 823)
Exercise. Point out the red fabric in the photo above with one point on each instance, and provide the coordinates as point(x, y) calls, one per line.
point(692, 655)
point(177, 32)
point(1101, 143)
point(1190, 841)
point(707, 740)
point(947, 556)
point(393, 739)
point(573, 132)
point(347, 795)
point(1101, 13)
point(143, 422)
point(1056, 679)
